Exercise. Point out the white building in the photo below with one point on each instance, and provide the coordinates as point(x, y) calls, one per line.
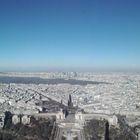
point(113, 120)
point(16, 119)
point(79, 116)
point(25, 119)
point(60, 115)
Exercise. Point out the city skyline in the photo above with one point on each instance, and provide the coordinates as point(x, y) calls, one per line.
point(69, 35)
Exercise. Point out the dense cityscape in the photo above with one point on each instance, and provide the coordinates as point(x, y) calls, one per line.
point(91, 95)
point(109, 93)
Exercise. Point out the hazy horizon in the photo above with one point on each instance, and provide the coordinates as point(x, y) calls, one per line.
point(60, 69)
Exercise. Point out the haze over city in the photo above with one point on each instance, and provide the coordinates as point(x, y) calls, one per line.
point(69, 35)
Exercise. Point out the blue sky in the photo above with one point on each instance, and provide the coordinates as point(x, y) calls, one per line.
point(69, 35)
